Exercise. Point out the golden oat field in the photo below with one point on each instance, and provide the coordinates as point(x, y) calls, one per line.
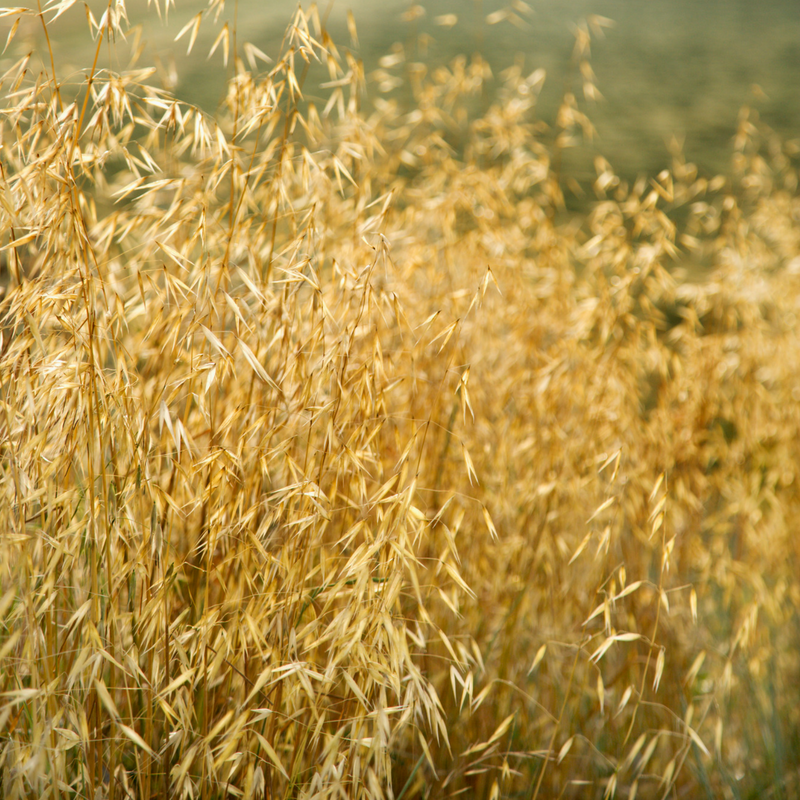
point(351, 447)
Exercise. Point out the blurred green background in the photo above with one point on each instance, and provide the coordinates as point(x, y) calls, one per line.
point(667, 67)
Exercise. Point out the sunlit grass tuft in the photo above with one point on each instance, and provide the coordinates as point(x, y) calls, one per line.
point(338, 460)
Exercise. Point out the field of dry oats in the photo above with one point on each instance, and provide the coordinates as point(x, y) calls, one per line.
point(338, 460)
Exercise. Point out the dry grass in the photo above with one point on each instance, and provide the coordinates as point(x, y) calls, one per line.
point(337, 461)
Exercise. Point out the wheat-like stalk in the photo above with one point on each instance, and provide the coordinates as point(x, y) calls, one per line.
point(339, 460)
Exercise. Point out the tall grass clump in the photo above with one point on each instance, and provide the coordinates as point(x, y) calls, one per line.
point(340, 460)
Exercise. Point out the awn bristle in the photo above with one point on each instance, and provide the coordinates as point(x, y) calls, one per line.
point(339, 460)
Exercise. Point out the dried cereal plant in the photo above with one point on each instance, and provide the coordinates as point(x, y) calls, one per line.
point(339, 461)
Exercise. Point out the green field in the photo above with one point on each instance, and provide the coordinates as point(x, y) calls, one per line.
point(366, 432)
point(667, 67)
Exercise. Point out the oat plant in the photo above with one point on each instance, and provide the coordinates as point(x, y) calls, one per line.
point(339, 459)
